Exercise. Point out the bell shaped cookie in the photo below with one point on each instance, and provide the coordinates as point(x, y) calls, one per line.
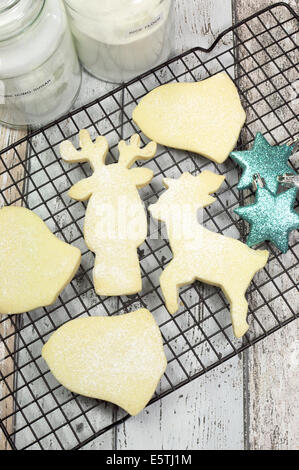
point(35, 266)
point(119, 359)
point(204, 117)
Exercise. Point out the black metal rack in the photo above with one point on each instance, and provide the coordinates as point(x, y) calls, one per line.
point(41, 414)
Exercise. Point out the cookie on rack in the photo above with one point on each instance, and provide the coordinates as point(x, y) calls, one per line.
point(200, 254)
point(35, 266)
point(119, 359)
point(204, 117)
point(115, 223)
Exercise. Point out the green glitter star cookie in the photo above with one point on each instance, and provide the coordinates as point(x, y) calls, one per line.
point(267, 160)
point(271, 217)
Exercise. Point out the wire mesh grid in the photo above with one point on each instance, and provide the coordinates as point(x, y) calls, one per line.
point(38, 413)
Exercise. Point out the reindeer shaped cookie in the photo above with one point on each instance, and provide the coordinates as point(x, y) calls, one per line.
point(200, 254)
point(115, 223)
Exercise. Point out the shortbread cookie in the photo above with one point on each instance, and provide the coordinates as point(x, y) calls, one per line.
point(115, 224)
point(200, 254)
point(204, 117)
point(35, 266)
point(119, 359)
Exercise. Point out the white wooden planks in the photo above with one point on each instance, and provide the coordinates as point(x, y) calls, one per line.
point(6, 327)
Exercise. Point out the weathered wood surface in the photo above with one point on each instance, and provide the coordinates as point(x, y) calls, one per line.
point(6, 326)
point(209, 412)
point(273, 365)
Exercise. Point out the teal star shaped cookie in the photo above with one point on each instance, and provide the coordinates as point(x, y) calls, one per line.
point(272, 217)
point(267, 160)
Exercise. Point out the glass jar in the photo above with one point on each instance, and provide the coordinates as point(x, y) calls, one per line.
point(40, 75)
point(119, 39)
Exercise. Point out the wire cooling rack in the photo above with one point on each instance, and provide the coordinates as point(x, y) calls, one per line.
point(38, 413)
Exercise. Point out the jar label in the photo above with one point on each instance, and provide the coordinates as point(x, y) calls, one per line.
point(20, 94)
point(147, 26)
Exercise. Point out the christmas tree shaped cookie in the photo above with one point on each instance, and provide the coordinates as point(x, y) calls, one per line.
point(204, 117)
point(35, 266)
point(200, 254)
point(115, 224)
point(119, 359)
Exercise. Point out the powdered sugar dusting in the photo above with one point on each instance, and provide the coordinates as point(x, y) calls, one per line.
point(119, 359)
